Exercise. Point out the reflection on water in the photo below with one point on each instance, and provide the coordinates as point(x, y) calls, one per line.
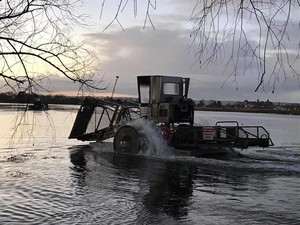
point(53, 180)
point(155, 188)
point(182, 190)
point(168, 186)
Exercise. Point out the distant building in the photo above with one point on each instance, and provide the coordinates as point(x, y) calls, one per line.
point(257, 105)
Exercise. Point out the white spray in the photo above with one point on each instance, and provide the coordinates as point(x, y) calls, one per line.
point(155, 144)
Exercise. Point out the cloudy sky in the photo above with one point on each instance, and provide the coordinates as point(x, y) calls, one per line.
point(166, 50)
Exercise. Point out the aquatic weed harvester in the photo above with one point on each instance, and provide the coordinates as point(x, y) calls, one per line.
point(164, 101)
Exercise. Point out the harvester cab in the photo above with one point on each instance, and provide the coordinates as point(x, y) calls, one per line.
point(164, 99)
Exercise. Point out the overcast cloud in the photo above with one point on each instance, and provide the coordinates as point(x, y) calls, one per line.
point(165, 51)
point(136, 52)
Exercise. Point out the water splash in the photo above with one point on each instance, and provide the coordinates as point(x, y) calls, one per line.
point(155, 144)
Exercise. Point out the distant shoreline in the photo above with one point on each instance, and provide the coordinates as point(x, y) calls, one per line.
point(197, 108)
point(247, 110)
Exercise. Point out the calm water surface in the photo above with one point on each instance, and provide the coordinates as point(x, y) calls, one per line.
point(48, 179)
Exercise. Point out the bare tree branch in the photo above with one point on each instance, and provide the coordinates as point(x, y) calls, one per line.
point(266, 50)
point(34, 33)
point(247, 35)
point(151, 5)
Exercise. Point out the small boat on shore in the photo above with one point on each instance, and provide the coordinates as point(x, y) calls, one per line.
point(37, 105)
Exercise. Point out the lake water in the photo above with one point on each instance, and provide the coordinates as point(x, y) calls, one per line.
point(48, 179)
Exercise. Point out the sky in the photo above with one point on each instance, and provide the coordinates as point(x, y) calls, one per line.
point(131, 50)
point(166, 50)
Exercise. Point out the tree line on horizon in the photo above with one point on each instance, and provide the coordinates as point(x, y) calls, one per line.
point(25, 98)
